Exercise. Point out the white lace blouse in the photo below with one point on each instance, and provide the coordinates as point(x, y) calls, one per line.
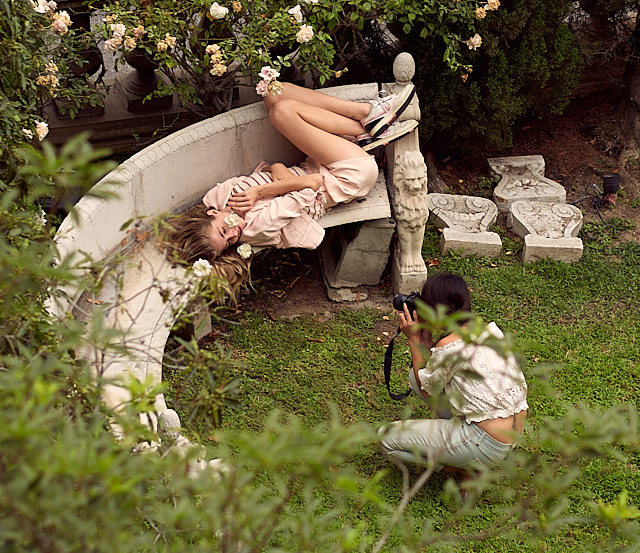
point(499, 390)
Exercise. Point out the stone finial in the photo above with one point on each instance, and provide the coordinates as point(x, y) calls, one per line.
point(410, 207)
point(466, 220)
point(523, 179)
point(404, 68)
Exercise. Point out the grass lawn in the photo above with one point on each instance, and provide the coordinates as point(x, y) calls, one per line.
point(577, 323)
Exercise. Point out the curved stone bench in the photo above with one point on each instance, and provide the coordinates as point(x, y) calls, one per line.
point(144, 294)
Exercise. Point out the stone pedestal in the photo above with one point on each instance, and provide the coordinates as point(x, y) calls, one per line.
point(356, 254)
point(405, 282)
point(549, 230)
point(470, 244)
point(567, 250)
point(466, 220)
point(522, 178)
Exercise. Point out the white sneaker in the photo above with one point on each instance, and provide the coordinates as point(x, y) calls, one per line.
point(384, 111)
point(393, 132)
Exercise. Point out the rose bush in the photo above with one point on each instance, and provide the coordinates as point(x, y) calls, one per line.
point(203, 47)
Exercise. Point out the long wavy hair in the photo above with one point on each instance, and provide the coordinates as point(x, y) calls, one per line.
point(186, 239)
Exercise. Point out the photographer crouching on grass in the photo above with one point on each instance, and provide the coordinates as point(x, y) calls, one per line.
point(485, 391)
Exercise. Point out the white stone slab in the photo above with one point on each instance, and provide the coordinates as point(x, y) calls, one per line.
point(374, 205)
point(462, 213)
point(522, 178)
point(471, 244)
point(567, 249)
point(546, 220)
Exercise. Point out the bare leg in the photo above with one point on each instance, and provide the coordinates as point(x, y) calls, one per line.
point(315, 130)
point(352, 110)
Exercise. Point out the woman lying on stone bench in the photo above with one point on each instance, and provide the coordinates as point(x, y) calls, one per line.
point(280, 206)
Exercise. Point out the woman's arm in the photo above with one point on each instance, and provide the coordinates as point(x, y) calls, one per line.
point(419, 340)
point(244, 201)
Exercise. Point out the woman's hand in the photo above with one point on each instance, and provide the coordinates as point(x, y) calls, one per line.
point(408, 325)
point(407, 322)
point(242, 202)
point(279, 171)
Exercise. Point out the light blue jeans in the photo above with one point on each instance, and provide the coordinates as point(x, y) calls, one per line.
point(446, 441)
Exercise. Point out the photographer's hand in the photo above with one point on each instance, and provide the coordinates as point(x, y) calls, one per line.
point(419, 339)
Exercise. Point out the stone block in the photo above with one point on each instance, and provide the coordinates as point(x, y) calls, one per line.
point(405, 282)
point(567, 250)
point(478, 244)
point(357, 254)
point(522, 178)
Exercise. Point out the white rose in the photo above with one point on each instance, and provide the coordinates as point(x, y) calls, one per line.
point(42, 130)
point(40, 6)
point(41, 219)
point(217, 11)
point(268, 73)
point(296, 13)
point(474, 42)
point(244, 250)
point(202, 268)
point(305, 34)
point(232, 220)
point(118, 29)
point(27, 133)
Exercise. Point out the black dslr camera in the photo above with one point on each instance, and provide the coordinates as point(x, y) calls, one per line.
point(406, 299)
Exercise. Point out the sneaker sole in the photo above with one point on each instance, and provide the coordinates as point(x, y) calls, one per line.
point(378, 142)
point(385, 121)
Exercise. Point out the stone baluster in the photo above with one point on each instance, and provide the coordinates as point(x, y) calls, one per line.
point(407, 182)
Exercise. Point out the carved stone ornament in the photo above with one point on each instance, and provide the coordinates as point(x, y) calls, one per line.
point(462, 213)
point(410, 208)
point(544, 220)
point(523, 179)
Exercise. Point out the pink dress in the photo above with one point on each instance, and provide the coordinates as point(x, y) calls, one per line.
point(291, 220)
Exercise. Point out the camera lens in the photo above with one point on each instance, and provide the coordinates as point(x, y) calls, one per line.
point(398, 301)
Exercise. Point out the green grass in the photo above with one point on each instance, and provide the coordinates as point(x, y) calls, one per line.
point(581, 320)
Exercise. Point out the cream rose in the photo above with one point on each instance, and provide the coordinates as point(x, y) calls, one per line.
point(245, 251)
point(217, 11)
point(202, 268)
point(42, 130)
point(305, 34)
point(296, 12)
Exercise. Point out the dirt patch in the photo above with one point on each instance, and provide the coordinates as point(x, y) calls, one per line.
point(577, 153)
point(288, 283)
point(575, 148)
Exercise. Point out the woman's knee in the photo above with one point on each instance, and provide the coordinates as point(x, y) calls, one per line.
point(282, 110)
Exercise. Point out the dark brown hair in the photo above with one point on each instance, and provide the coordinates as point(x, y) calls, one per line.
point(446, 289)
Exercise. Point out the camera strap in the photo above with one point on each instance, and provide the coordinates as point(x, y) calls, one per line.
point(388, 355)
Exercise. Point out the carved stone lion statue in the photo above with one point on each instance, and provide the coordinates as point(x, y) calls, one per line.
point(410, 206)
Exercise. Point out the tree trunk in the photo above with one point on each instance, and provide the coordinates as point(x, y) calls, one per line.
point(436, 184)
point(628, 111)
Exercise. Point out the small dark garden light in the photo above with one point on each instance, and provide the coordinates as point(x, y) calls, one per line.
point(610, 186)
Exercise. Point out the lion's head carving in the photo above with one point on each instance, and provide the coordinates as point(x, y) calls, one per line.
point(410, 199)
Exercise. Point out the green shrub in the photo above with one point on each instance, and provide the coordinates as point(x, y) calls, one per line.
point(528, 65)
